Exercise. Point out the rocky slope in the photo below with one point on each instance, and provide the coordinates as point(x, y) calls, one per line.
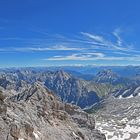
point(35, 113)
point(123, 87)
point(127, 92)
point(119, 119)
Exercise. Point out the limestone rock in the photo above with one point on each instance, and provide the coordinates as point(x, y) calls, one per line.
point(37, 114)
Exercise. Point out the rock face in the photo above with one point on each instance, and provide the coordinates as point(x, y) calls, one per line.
point(127, 92)
point(108, 76)
point(69, 88)
point(37, 114)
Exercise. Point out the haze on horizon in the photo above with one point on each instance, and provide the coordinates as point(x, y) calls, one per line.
point(81, 32)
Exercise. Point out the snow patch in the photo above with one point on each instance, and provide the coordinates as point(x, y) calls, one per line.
point(120, 97)
point(74, 134)
point(131, 96)
point(36, 135)
point(113, 131)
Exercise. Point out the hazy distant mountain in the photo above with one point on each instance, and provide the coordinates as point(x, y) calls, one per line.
point(123, 71)
point(107, 76)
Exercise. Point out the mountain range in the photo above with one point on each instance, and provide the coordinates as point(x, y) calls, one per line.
point(54, 97)
point(71, 88)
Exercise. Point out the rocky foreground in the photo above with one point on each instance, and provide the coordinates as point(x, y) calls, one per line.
point(37, 114)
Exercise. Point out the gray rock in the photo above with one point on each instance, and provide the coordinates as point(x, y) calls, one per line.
point(37, 114)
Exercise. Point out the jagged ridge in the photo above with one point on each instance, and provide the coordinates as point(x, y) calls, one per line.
point(37, 114)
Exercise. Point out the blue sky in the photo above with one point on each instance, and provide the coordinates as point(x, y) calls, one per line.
point(69, 32)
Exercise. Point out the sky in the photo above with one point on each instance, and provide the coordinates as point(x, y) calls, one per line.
point(69, 32)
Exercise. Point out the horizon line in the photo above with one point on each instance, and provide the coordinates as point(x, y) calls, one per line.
point(20, 67)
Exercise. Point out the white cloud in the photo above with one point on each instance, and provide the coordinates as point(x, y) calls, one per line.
point(87, 46)
point(122, 53)
point(108, 44)
point(52, 48)
point(78, 56)
point(94, 37)
point(117, 33)
point(93, 56)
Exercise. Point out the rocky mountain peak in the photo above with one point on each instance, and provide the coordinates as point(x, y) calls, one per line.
point(106, 75)
point(62, 74)
point(107, 72)
point(36, 114)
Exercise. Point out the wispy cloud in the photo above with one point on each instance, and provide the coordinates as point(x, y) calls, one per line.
point(94, 37)
point(93, 57)
point(11, 38)
point(51, 48)
point(78, 56)
point(87, 46)
point(107, 43)
point(122, 53)
point(117, 33)
point(41, 49)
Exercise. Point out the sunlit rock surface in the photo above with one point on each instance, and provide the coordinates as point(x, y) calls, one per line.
point(37, 114)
